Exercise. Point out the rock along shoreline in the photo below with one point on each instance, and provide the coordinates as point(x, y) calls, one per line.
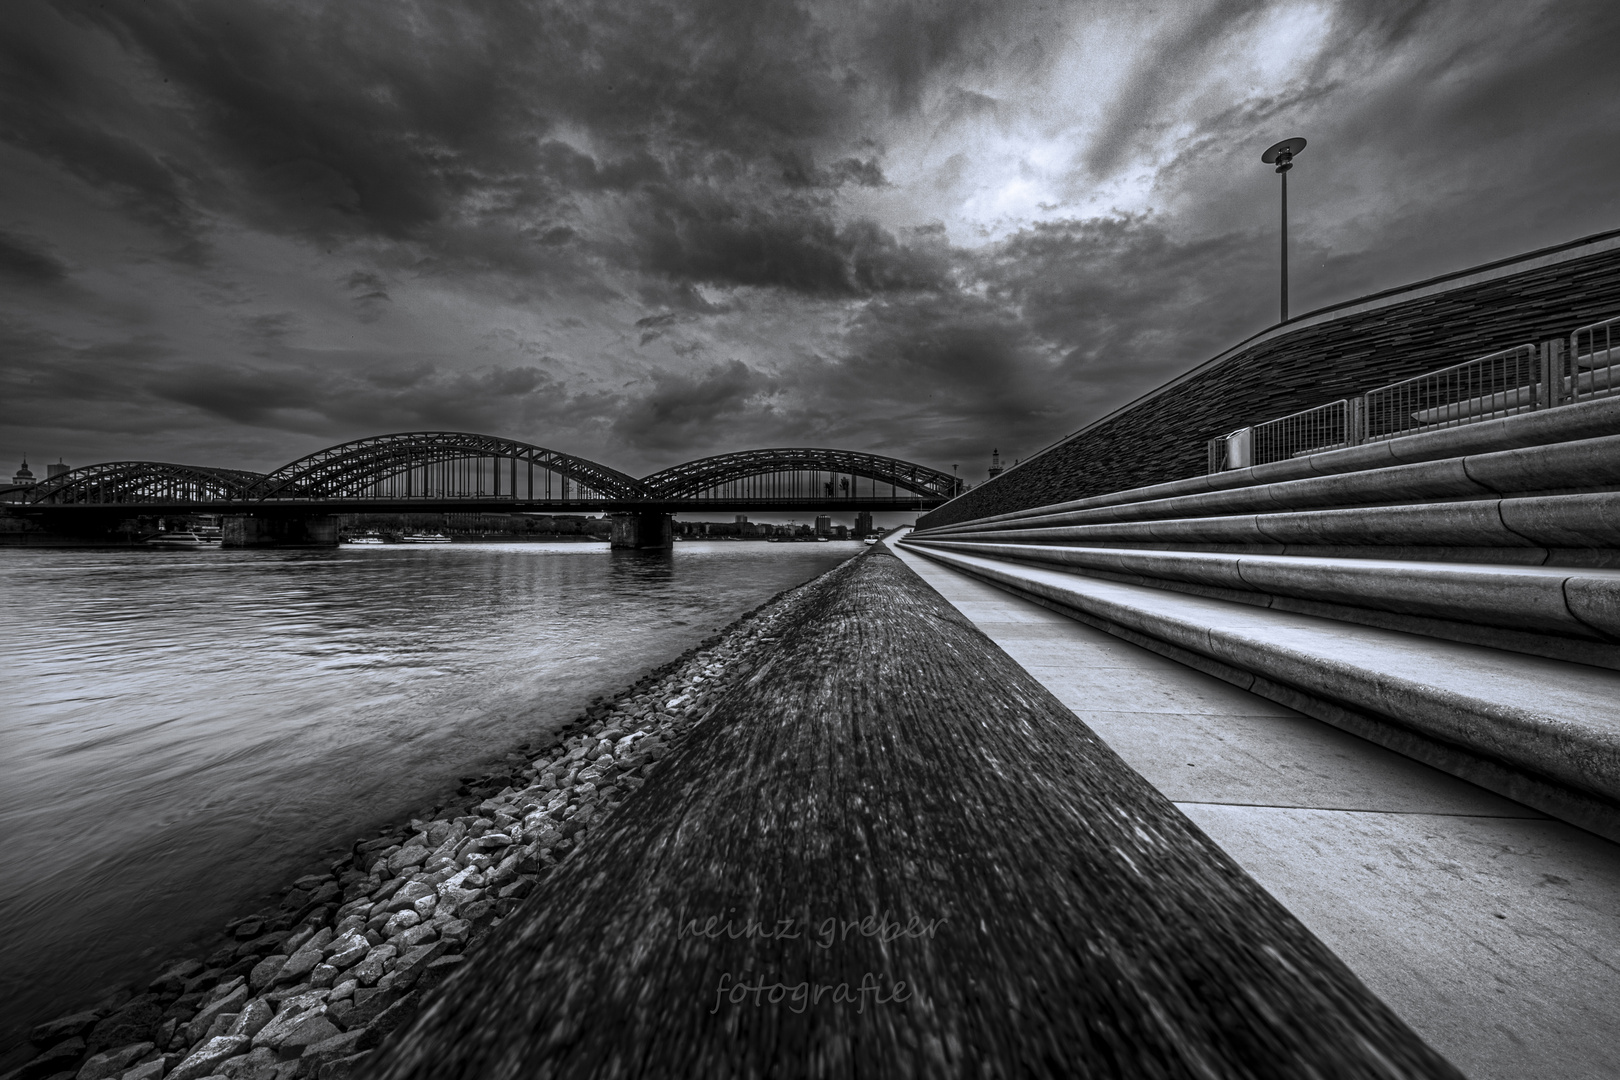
point(310, 987)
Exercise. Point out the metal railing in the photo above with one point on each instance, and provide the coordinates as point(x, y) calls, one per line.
point(1594, 356)
point(1503, 383)
point(1309, 431)
point(1497, 384)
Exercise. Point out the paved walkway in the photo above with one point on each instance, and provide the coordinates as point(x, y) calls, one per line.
point(1491, 929)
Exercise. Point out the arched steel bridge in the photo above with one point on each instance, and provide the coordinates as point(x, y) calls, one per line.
point(451, 470)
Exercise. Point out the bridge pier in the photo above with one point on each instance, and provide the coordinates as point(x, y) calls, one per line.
point(642, 531)
point(245, 531)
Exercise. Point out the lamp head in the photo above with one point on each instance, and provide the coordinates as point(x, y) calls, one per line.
point(1282, 154)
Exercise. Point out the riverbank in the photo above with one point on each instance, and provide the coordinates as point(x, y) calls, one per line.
point(889, 851)
point(309, 986)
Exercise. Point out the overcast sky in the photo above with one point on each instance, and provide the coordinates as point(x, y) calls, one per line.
point(234, 232)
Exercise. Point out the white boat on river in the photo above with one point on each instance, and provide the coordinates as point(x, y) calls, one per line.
point(181, 539)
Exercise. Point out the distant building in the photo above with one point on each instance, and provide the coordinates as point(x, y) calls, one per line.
point(863, 523)
point(823, 525)
point(53, 471)
point(840, 532)
point(24, 477)
point(742, 519)
point(995, 464)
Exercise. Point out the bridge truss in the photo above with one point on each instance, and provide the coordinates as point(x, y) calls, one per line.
point(434, 470)
point(798, 475)
point(120, 482)
point(445, 465)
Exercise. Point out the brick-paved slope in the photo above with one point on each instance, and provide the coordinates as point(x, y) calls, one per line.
point(886, 759)
point(1162, 438)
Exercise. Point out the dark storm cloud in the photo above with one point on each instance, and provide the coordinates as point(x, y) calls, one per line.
point(473, 130)
point(1112, 293)
point(932, 375)
point(368, 293)
point(94, 393)
point(303, 394)
point(678, 412)
point(411, 122)
point(800, 249)
point(660, 179)
point(25, 261)
point(63, 101)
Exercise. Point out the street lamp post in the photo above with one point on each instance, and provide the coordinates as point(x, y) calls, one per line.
point(1282, 156)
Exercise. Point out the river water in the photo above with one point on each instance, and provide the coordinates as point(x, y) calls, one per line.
point(181, 732)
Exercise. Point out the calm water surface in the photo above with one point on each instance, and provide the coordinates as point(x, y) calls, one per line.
point(181, 731)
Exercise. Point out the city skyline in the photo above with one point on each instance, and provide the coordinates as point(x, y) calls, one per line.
point(234, 234)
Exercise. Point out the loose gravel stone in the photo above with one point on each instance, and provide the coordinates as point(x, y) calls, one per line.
point(265, 971)
point(400, 921)
point(252, 1019)
point(312, 1028)
point(111, 1063)
point(205, 1060)
point(405, 858)
point(251, 1066)
point(369, 970)
point(347, 950)
point(135, 1021)
point(151, 1070)
point(63, 1027)
point(231, 1002)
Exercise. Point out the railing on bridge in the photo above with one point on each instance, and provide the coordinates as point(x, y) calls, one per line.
point(1499, 384)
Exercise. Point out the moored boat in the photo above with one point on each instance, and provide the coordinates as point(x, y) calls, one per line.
point(182, 539)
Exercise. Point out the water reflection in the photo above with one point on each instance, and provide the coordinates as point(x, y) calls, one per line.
point(183, 730)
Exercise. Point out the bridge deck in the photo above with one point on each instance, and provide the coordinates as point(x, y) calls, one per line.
point(1488, 927)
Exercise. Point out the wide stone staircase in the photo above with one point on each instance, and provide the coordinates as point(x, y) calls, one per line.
point(1453, 595)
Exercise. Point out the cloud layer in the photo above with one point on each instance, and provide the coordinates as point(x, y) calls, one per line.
point(235, 231)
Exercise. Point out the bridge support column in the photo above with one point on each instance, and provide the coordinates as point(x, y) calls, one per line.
point(641, 531)
point(243, 531)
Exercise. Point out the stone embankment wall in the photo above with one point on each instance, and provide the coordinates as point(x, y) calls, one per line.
point(888, 851)
point(1354, 348)
point(310, 987)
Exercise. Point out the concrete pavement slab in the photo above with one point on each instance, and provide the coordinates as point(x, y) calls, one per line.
point(1494, 938)
point(1491, 929)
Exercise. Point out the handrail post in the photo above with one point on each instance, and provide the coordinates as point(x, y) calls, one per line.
point(1552, 374)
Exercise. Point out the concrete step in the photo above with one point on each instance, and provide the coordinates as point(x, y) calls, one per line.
point(1541, 731)
point(1577, 530)
point(1465, 446)
point(1475, 479)
point(1562, 612)
point(1487, 926)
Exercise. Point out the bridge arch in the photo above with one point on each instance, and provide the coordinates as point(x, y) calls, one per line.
point(425, 464)
point(120, 482)
point(723, 475)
